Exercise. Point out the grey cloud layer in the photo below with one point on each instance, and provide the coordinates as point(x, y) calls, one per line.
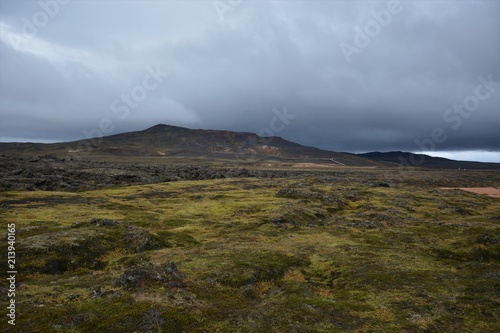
point(231, 74)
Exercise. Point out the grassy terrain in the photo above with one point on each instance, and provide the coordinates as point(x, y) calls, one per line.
point(334, 252)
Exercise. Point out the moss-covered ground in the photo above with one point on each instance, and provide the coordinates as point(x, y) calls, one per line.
point(346, 251)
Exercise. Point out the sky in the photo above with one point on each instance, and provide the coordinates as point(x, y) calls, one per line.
point(356, 76)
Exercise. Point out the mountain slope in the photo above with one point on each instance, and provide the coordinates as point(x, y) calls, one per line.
point(168, 143)
point(164, 141)
point(420, 160)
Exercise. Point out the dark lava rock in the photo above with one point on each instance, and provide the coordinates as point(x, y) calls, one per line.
point(147, 274)
point(279, 221)
point(50, 173)
point(104, 222)
point(95, 292)
point(381, 184)
point(291, 193)
point(487, 239)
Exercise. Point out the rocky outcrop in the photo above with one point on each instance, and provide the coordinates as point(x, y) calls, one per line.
point(147, 274)
point(51, 173)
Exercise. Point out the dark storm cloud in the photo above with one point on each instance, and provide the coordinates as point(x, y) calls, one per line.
point(229, 69)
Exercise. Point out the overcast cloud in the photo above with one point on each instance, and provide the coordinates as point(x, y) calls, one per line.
point(66, 65)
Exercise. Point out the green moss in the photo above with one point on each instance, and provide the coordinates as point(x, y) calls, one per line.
point(249, 267)
point(83, 245)
point(334, 254)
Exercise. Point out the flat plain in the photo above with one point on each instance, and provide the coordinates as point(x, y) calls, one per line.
point(341, 249)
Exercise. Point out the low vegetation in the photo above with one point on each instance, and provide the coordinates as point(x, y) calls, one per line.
point(345, 250)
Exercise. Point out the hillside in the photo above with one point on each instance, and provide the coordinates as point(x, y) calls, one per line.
point(420, 160)
point(165, 141)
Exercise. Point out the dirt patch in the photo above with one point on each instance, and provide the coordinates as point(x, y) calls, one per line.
point(490, 191)
point(312, 165)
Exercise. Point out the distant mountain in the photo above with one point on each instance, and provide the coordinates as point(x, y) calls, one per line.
point(399, 158)
point(165, 141)
point(168, 143)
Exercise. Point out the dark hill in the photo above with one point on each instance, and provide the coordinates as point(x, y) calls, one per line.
point(420, 160)
point(165, 141)
point(171, 143)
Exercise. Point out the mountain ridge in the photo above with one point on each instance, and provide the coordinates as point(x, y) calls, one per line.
point(164, 142)
point(408, 159)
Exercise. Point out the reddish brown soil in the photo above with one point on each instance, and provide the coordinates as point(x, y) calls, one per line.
point(491, 191)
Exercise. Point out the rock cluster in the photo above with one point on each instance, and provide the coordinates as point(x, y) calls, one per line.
point(147, 274)
point(52, 173)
